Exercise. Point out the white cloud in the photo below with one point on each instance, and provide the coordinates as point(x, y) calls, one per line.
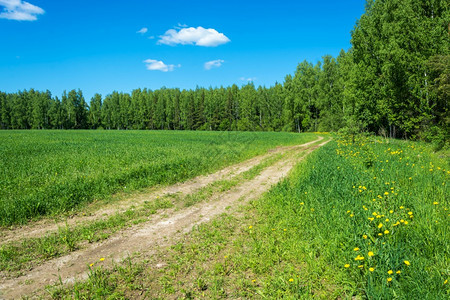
point(213, 64)
point(143, 30)
point(248, 79)
point(157, 65)
point(19, 10)
point(194, 36)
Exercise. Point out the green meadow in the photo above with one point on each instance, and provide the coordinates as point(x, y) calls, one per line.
point(51, 172)
point(362, 220)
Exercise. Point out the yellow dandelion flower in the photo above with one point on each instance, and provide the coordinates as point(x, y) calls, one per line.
point(302, 203)
point(410, 213)
point(406, 222)
point(407, 262)
point(435, 203)
point(386, 193)
point(361, 266)
point(389, 279)
point(387, 220)
point(254, 280)
point(374, 214)
point(398, 272)
point(351, 215)
point(386, 231)
point(91, 265)
point(402, 221)
point(446, 281)
point(356, 249)
point(380, 225)
point(250, 227)
point(391, 211)
point(364, 236)
point(402, 207)
point(346, 266)
point(102, 259)
point(380, 234)
point(370, 253)
point(291, 279)
point(371, 269)
point(285, 229)
point(390, 272)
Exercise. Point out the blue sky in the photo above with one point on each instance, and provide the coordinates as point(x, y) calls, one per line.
point(102, 46)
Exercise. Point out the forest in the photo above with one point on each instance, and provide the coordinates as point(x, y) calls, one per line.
point(394, 81)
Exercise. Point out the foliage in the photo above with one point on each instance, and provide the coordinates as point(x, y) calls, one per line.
point(394, 81)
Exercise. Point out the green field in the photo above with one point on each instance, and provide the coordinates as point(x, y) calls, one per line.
point(49, 172)
point(359, 220)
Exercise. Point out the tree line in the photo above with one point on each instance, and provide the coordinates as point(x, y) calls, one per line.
point(393, 81)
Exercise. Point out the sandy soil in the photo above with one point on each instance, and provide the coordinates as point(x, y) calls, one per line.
point(162, 230)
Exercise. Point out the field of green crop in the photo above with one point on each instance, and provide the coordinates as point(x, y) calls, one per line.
point(49, 172)
point(368, 219)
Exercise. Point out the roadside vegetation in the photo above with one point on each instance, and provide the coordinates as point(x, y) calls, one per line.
point(366, 219)
point(52, 172)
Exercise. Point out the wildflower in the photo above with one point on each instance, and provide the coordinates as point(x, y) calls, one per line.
point(446, 281)
point(302, 203)
point(391, 211)
point(351, 215)
point(254, 280)
point(359, 257)
point(102, 259)
point(364, 236)
point(386, 231)
point(250, 227)
point(285, 229)
point(356, 249)
point(390, 272)
point(370, 253)
point(291, 279)
point(435, 203)
point(406, 222)
point(387, 220)
point(371, 269)
point(398, 272)
point(346, 266)
point(410, 213)
point(386, 193)
point(380, 234)
point(361, 266)
point(91, 265)
point(374, 214)
point(407, 262)
point(402, 207)
point(380, 225)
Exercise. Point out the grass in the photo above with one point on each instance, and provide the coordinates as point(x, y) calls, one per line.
point(51, 172)
point(18, 256)
point(363, 220)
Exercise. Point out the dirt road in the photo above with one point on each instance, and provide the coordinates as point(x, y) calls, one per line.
point(165, 228)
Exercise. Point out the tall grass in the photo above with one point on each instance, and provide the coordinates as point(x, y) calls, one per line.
point(369, 219)
point(48, 172)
